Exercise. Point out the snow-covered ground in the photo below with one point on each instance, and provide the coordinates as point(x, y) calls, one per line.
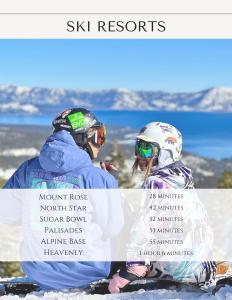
point(6, 174)
point(20, 152)
point(223, 294)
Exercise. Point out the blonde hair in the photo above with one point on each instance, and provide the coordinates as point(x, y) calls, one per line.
point(148, 169)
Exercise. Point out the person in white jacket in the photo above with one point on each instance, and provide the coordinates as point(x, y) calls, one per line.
point(158, 153)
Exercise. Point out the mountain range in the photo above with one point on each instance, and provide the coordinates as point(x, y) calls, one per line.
point(47, 100)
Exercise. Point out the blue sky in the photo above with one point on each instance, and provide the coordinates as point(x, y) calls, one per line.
point(169, 65)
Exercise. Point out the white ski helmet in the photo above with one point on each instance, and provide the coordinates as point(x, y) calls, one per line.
point(167, 137)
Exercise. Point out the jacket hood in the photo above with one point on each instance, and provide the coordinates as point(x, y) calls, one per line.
point(60, 154)
point(176, 175)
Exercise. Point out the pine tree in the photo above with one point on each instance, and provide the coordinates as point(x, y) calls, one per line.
point(2, 182)
point(226, 181)
point(116, 157)
point(9, 269)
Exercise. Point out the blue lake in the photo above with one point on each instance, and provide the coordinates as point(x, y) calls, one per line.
point(206, 134)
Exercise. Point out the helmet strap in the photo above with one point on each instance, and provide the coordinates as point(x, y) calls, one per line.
point(155, 161)
point(89, 150)
point(82, 141)
point(92, 139)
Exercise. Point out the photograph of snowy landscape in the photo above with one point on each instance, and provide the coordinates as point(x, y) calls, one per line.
point(27, 113)
point(127, 84)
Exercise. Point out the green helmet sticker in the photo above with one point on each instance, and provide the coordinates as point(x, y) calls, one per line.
point(77, 120)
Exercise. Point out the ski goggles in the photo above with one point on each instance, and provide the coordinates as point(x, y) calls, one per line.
point(146, 149)
point(99, 136)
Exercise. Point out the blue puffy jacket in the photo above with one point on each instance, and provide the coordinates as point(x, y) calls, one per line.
point(62, 164)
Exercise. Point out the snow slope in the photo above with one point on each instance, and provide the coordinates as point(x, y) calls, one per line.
point(224, 294)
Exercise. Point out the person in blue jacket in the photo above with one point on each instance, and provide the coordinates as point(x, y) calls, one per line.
point(65, 161)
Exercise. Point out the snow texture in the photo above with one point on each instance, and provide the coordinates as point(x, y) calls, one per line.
point(6, 173)
point(223, 294)
point(44, 100)
point(20, 152)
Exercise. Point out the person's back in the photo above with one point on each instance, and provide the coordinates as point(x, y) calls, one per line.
point(173, 176)
point(158, 153)
point(178, 176)
point(63, 164)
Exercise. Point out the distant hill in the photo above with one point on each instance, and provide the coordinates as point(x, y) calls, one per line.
point(44, 100)
point(19, 143)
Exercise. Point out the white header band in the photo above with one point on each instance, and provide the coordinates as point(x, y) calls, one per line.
point(134, 26)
